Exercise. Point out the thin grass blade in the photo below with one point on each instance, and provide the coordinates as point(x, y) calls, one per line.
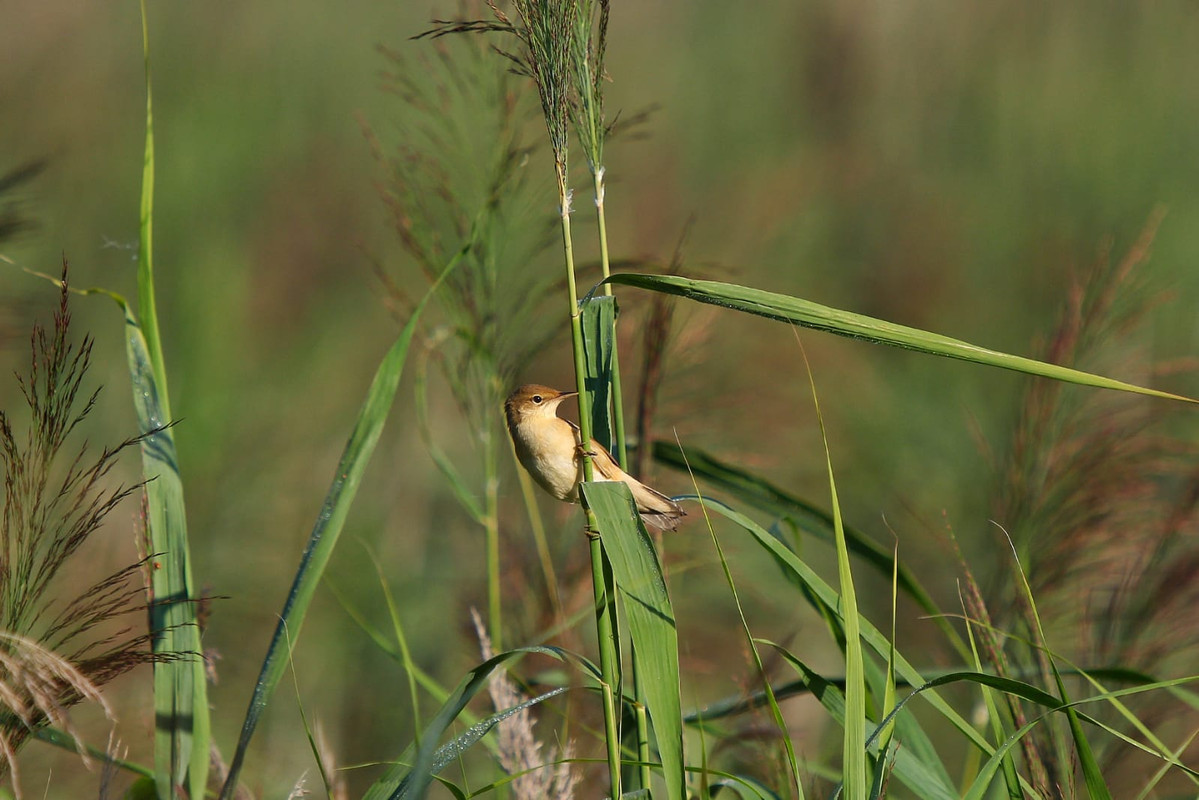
point(182, 730)
point(465, 496)
point(329, 523)
point(889, 690)
point(924, 777)
point(810, 518)
point(650, 618)
point(979, 788)
point(870, 635)
point(767, 695)
point(785, 308)
point(1011, 782)
point(882, 773)
point(66, 741)
point(1096, 785)
point(854, 754)
point(147, 306)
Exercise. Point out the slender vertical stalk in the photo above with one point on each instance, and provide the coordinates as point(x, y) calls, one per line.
point(491, 521)
point(601, 576)
point(147, 306)
point(588, 74)
point(576, 335)
point(618, 434)
point(539, 540)
point(605, 615)
point(642, 731)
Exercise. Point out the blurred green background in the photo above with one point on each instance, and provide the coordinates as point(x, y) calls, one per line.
point(943, 165)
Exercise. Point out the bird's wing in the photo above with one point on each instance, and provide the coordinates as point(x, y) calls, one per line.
point(656, 509)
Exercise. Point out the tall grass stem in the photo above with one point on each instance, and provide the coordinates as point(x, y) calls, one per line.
point(618, 434)
point(605, 624)
point(491, 522)
point(602, 584)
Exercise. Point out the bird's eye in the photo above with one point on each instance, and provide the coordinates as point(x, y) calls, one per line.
point(536, 398)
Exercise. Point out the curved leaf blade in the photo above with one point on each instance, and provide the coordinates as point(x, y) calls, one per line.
point(329, 523)
point(180, 687)
point(650, 617)
point(794, 310)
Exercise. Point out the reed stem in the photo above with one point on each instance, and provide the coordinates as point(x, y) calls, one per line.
point(601, 574)
point(620, 446)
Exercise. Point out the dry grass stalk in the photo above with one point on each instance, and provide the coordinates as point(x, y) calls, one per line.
point(520, 752)
point(37, 686)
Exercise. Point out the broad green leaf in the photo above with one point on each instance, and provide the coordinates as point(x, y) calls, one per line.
point(329, 523)
point(650, 617)
point(179, 685)
point(785, 308)
point(599, 321)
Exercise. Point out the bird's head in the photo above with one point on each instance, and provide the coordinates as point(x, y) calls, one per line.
point(533, 401)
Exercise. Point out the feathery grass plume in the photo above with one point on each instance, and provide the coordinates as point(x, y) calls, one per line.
point(588, 47)
point(460, 165)
point(459, 175)
point(1100, 500)
point(520, 752)
point(546, 31)
point(54, 501)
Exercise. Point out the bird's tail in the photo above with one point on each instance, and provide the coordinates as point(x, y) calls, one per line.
point(656, 509)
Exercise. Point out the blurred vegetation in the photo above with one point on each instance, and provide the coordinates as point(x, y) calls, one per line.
point(939, 165)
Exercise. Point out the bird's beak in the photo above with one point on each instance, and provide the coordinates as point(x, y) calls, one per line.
point(565, 395)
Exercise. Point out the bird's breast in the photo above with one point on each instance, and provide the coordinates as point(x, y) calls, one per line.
point(548, 449)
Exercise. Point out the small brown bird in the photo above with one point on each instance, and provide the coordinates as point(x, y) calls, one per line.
point(548, 447)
